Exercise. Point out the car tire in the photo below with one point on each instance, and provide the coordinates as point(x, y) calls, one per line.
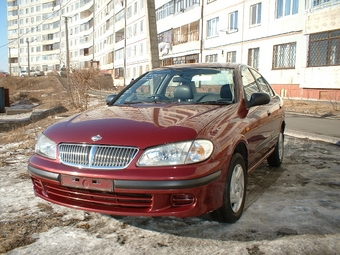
point(276, 158)
point(234, 191)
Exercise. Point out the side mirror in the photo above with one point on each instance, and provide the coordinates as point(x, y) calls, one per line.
point(258, 98)
point(109, 98)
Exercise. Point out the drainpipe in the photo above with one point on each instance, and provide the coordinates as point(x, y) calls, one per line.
point(201, 37)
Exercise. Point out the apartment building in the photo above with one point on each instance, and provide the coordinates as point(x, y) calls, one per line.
point(294, 43)
point(131, 55)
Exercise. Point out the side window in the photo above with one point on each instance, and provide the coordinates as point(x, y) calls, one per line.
point(249, 83)
point(264, 86)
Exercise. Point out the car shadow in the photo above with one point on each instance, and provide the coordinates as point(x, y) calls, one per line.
point(205, 226)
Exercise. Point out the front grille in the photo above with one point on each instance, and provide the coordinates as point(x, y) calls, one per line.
point(96, 156)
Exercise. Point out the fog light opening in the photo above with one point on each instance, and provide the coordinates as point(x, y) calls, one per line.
point(179, 200)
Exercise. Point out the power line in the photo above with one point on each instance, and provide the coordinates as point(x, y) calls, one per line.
point(20, 36)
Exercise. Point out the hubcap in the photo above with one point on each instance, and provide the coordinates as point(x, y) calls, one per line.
point(236, 188)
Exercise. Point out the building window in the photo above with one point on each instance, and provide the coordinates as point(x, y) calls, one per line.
point(324, 49)
point(129, 32)
point(165, 10)
point(255, 14)
point(134, 50)
point(183, 34)
point(212, 28)
point(141, 48)
point(286, 7)
point(119, 72)
point(129, 12)
point(193, 31)
point(135, 8)
point(178, 60)
point(231, 56)
point(119, 54)
point(323, 3)
point(253, 57)
point(181, 5)
point(135, 29)
point(284, 56)
point(233, 21)
point(211, 58)
point(142, 26)
point(165, 37)
point(134, 72)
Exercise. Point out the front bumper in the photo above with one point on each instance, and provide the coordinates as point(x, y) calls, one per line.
point(181, 198)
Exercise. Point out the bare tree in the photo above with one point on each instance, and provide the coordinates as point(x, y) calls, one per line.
point(81, 82)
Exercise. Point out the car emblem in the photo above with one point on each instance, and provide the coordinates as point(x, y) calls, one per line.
point(96, 138)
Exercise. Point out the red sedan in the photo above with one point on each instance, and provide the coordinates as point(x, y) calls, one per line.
point(178, 141)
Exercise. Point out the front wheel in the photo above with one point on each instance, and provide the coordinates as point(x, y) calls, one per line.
point(234, 192)
point(275, 159)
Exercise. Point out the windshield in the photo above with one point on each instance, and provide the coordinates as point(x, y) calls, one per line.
point(187, 86)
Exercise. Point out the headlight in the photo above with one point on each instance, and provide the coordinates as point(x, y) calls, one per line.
point(46, 147)
point(177, 153)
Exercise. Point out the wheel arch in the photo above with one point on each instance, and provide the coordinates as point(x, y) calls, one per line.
point(283, 126)
point(242, 149)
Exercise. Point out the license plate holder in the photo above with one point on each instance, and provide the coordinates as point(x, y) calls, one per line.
point(87, 183)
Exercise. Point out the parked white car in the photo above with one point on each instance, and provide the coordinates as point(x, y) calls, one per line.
point(34, 73)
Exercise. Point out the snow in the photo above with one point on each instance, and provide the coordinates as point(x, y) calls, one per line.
point(290, 210)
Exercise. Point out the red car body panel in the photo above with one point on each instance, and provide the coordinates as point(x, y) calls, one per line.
point(124, 125)
point(181, 190)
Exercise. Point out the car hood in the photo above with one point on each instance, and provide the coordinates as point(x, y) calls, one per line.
point(136, 126)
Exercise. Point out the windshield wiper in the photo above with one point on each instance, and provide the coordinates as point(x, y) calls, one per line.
point(215, 102)
point(134, 102)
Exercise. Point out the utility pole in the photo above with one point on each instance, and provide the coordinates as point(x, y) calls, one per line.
point(153, 39)
point(68, 61)
point(67, 48)
point(10, 61)
point(28, 58)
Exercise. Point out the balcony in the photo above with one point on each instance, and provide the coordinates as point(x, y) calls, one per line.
point(119, 36)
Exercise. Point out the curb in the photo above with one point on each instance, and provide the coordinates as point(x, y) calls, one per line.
point(312, 136)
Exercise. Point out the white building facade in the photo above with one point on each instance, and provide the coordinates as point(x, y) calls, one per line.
point(294, 43)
